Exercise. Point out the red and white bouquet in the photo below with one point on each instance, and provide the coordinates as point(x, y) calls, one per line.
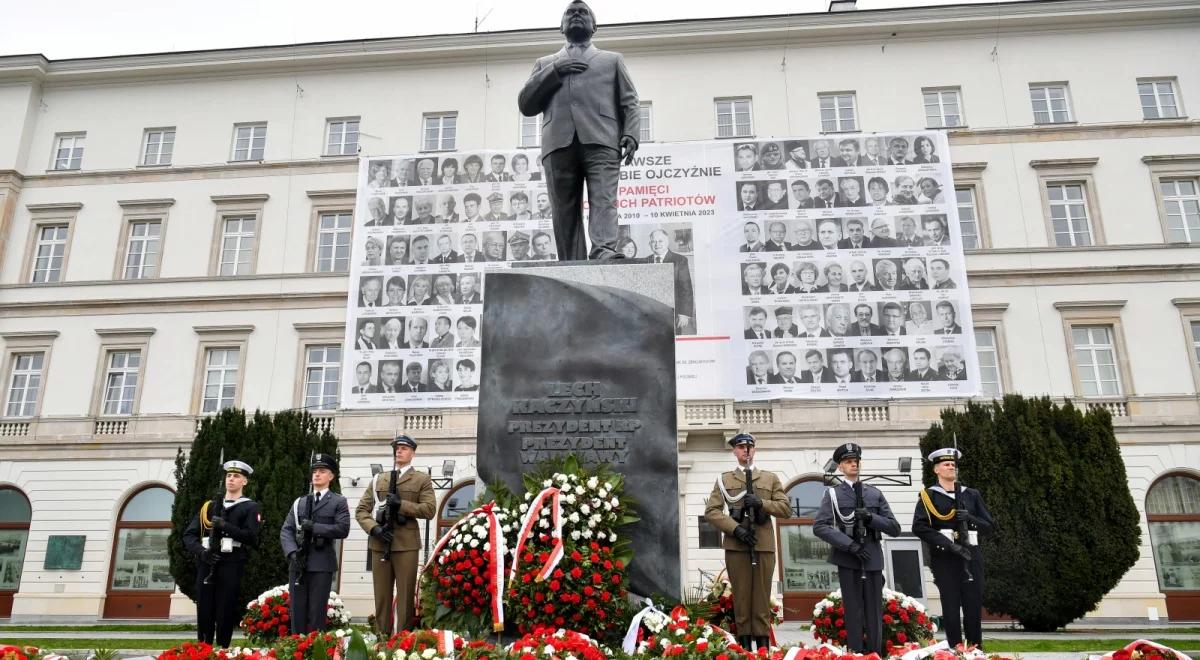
point(267, 617)
point(546, 642)
point(683, 637)
point(421, 645)
point(905, 621)
point(462, 587)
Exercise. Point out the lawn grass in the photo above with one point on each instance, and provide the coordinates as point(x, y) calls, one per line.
point(102, 627)
point(1077, 645)
point(66, 644)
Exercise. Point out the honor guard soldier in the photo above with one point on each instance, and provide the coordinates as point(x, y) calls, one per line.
point(749, 538)
point(220, 537)
point(313, 523)
point(388, 512)
point(949, 518)
point(852, 518)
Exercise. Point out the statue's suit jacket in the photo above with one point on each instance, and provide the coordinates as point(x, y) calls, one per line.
point(599, 105)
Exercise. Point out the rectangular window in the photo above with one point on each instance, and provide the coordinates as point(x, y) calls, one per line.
point(1158, 99)
point(141, 257)
point(25, 384)
point(647, 122)
point(220, 379)
point(48, 253)
point(121, 382)
point(1051, 105)
point(322, 377)
point(440, 132)
point(942, 108)
point(710, 536)
point(1069, 215)
point(734, 118)
point(1096, 360)
point(237, 245)
point(333, 242)
point(1196, 342)
point(989, 361)
point(341, 137)
point(249, 141)
point(838, 113)
point(158, 146)
point(968, 220)
point(531, 132)
point(68, 151)
point(1183, 209)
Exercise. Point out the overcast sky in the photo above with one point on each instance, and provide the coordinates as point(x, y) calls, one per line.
point(61, 29)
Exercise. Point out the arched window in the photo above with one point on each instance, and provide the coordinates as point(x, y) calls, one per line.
point(140, 583)
point(15, 514)
point(1173, 512)
point(455, 504)
point(806, 576)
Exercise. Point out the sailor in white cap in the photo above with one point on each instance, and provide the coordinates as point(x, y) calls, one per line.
point(220, 536)
point(949, 518)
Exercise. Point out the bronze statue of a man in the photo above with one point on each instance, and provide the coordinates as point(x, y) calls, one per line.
point(590, 121)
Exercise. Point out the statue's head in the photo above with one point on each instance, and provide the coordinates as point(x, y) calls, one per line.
point(578, 21)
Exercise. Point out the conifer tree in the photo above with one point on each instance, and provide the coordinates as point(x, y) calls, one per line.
point(1054, 481)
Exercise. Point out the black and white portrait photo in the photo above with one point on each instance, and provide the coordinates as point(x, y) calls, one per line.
point(370, 291)
point(377, 212)
point(468, 332)
point(465, 377)
point(395, 292)
point(397, 250)
point(391, 335)
point(753, 283)
point(936, 232)
point(440, 378)
point(443, 335)
point(373, 249)
point(399, 210)
point(750, 195)
point(367, 335)
point(389, 376)
point(671, 244)
point(887, 274)
point(364, 378)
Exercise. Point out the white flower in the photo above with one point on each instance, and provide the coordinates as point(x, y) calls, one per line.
point(569, 499)
point(587, 533)
point(579, 490)
point(549, 650)
point(615, 502)
point(607, 506)
point(474, 543)
point(573, 518)
point(593, 482)
point(547, 483)
point(528, 496)
point(487, 547)
point(429, 652)
point(543, 523)
point(600, 536)
point(585, 509)
point(575, 535)
point(340, 633)
point(560, 478)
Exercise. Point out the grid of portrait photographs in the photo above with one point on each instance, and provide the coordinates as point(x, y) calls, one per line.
point(850, 269)
point(427, 231)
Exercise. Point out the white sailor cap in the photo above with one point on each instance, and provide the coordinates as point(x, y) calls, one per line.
point(946, 454)
point(238, 467)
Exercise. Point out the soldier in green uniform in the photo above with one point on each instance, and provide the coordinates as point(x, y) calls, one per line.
point(749, 537)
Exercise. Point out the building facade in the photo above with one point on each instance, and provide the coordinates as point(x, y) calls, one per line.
point(174, 239)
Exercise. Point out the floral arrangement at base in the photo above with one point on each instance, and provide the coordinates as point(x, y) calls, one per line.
point(681, 636)
point(904, 621)
point(267, 617)
point(205, 651)
point(11, 652)
point(717, 605)
point(460, 587)
point(430, 644)
point(1143, 649)
point(546, 642)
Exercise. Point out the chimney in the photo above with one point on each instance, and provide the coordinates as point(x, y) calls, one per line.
point(842, 5)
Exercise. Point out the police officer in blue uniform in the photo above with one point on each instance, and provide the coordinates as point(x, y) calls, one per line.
point(220, 537)
point(950, 518)
point(859, 560)
point(313, 523)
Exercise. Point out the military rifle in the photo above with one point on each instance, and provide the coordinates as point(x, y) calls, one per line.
point(859, 533)
point(206, 515)
point(963, 532)
point(303, 538)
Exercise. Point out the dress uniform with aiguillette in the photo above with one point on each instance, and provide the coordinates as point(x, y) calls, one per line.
point(860, 563)
point(220, 537)
point(749, 540)
point(949, 519)
point(314, 522)
point(388, 512)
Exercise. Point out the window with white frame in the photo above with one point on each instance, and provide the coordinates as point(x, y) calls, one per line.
point(237, 245)
point(646, 115)
point(1051, 105)
point(48, 253)
point(943, 108)
point(158, 146)
point(322, 376)
point(341, 137)
point(440, 132)
point(68, 151)
point(1196, 342)
point(333, 242)
point(734, 118)
point(531, 131)
point(1159, 99)
point(838, 113)
point(1183, 209)
point(121, 382)
point(25, 385)
point(1069, 214)
point(988, 355)
point(249, 141)
point(141, 255)
point(968, 218)
point(1096, 360)
point(220, 378)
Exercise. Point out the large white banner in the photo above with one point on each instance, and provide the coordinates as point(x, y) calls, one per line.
point(428, 229)
point(823, 267)
point(843, 269)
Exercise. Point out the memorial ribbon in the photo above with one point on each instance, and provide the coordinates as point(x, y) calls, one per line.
point(531, 516)
point(496, 552)
point(631, 635)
